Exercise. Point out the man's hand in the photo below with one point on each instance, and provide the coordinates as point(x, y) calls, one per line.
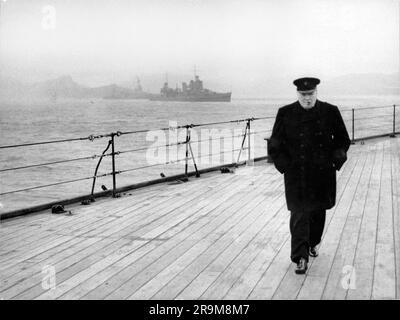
point(339, 158)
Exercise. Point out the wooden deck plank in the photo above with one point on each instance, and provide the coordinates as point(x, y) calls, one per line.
point(178, 213)
point(73, 265)
point(228, 277)
point(212, 256)
point(217, 237)
point(102, 276)
point(318, 273)
point(49, 257)
point(273, 275)
point(97, 227)
point(117, 205)
point(78, 266)
point(177, 284)
point(344, 256)
point(384, 285)
point(395, 153)
point(98, 211)
point(218, 262)
point(246, 282)
point(153, 212)
point(39, 221)
point(30, 286)
point(142, 277)
point(202, 220)
point(291, 283)
point(365, 252)
point(92, 270)
point(12, 269)
point(75, 223)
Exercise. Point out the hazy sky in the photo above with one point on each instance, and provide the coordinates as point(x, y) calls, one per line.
point(97, 41)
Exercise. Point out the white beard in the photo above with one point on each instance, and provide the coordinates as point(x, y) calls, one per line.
point(306, 105)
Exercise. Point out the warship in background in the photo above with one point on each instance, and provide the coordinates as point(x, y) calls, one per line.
point(192, 92)
point(126, 93)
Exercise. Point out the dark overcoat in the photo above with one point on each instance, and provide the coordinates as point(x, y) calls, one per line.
point(308, 146)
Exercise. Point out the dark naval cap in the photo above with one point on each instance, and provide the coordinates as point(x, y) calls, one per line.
point(304, 84)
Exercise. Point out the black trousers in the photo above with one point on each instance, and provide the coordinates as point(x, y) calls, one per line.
point(306, 228)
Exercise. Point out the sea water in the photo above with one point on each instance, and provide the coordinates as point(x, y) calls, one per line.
point(42, 120)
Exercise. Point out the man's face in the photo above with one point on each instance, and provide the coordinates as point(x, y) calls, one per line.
point(307, 98)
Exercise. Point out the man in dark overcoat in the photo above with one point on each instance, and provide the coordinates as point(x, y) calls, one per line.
point(309, 143)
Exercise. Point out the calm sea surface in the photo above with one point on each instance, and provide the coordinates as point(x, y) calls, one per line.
point(26, 122)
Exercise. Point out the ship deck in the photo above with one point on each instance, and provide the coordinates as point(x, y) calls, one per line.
point(220, 236)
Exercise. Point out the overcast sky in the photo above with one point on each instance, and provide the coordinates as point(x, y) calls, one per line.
point(97, 41)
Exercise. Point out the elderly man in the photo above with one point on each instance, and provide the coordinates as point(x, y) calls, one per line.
point(308, 144)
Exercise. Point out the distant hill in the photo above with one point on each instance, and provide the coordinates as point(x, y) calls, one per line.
point(62, 87)
point(11, 88)
point(66, 87)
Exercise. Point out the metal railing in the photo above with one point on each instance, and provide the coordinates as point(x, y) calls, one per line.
point(358, 132)
point(113, 173)
point(373, 126)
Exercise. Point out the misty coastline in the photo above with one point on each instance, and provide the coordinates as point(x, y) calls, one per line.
point(66, 87)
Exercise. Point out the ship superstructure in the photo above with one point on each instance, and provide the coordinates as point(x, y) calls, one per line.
point(194, 91)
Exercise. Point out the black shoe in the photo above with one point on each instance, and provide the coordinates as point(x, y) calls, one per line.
point(313, 252)
point(301, 266)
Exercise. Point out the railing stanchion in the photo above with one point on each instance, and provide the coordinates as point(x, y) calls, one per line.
point(352, 126)
point(113, 164)
point(192, 155)
point(187, 151)
point(394, 122)
point(248, 141)
point(241, 147)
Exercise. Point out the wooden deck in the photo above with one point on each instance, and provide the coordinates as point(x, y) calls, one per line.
point(222, 236)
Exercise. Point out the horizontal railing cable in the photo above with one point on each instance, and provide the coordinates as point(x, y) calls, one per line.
point(56, 162)
point(121, 152)
point(359, 129)
point(119, 133)
point(215, 154)
point(91, 138)
point(154, 165)
point(57, 183)
point(154, 147)
point(219, 138)
point(376, 107)
point(375, 117)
